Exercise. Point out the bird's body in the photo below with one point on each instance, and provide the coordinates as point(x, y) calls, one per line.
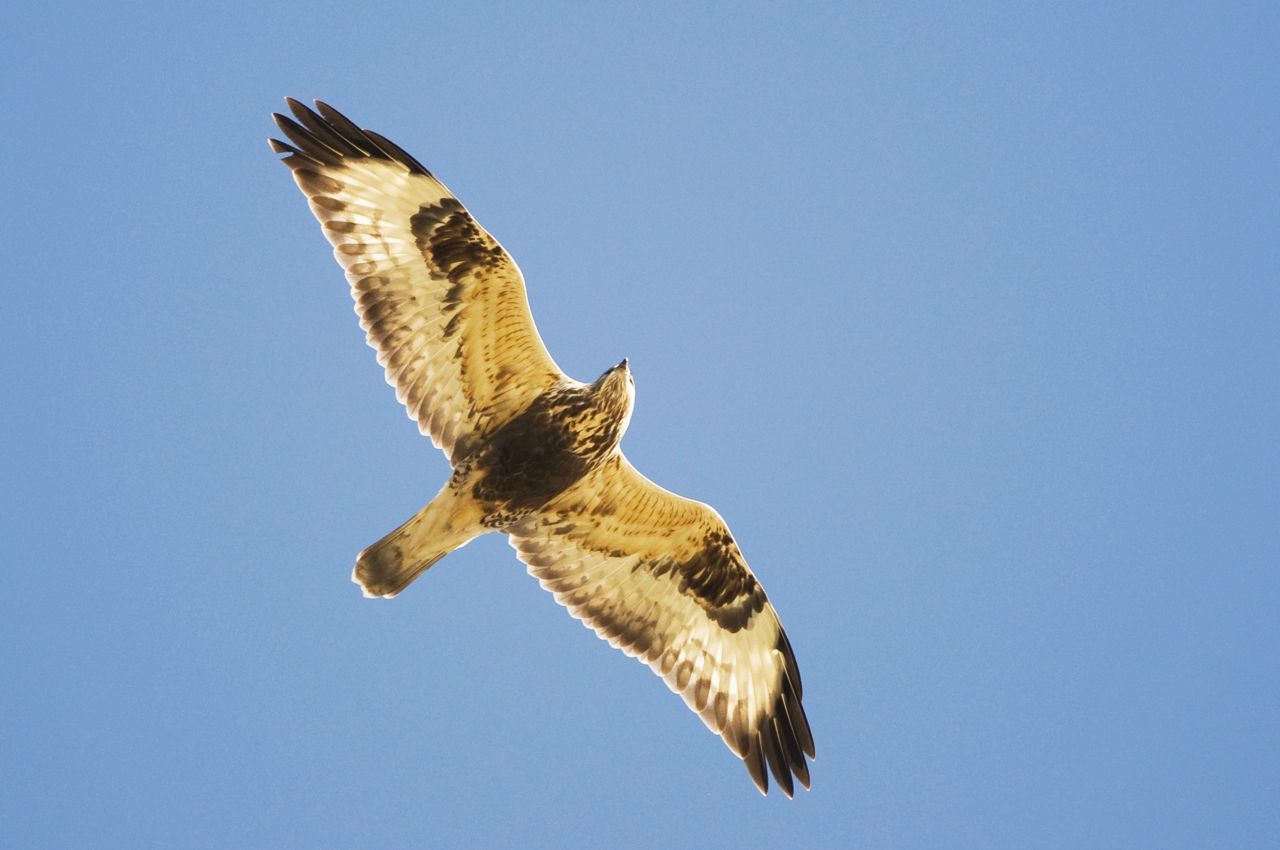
point(526, 462)
point(535, 454)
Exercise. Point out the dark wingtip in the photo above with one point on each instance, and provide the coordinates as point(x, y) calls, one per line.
point(777, 740)
point(327, 136)
point(754, 760)
point(777, 761)
point(396, 152)
point(800, 725)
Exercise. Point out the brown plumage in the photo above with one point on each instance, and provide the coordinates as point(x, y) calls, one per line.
point(535, 454)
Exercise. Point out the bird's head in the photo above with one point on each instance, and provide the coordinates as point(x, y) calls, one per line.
point(619, 381)
point(616, 391)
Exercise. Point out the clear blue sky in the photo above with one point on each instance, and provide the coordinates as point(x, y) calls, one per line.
point(966, 321)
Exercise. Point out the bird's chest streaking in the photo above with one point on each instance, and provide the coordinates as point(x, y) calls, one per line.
point(541, 452)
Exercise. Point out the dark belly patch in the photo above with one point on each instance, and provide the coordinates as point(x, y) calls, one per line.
point(527, 462)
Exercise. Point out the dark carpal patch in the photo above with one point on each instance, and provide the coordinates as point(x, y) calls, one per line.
point(451, 240)
point(717, 579)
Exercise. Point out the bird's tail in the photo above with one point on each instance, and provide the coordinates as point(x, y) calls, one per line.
point(387, 567)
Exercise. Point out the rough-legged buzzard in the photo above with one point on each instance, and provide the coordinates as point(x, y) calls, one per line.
point(535, 453)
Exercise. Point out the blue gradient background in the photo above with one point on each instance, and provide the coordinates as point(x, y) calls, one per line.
point(965, 319)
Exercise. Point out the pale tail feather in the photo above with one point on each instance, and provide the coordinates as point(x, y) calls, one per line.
point(388, 566)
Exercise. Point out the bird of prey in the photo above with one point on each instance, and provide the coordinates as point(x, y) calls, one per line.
point(535, 454)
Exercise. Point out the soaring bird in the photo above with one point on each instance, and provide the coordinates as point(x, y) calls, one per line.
point(535, 454)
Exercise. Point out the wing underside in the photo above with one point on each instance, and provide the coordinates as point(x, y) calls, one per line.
point(441, 302)
point(661, 578)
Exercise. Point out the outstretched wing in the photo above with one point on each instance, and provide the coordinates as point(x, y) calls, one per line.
point(661, 578)
point(442, 303)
